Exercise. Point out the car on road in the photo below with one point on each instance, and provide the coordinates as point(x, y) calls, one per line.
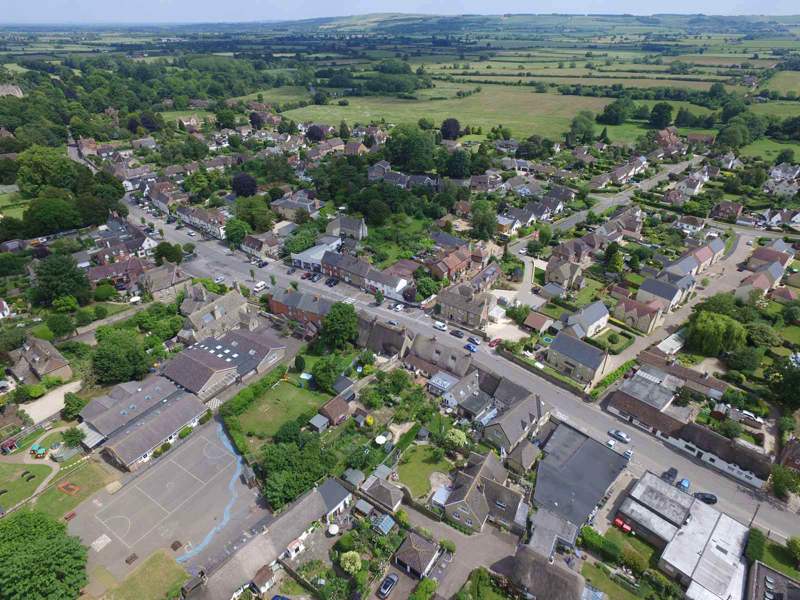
point(388, 585)
point(611, 443)
point(670, 475)
point(523, 251)
point(471, 347)
point(457, 333)
point(291, 271)
point(393, 323)
point(620, 435)
point(495, 342)
point(473, 340)
point(192, 233)
point(219, 279)
point(440, 326)
point(706, 497)
point(628, 454)
point(260, 287)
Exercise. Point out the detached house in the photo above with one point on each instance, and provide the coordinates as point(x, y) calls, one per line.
point(37, 359)
point(576, 359)
point(347, 227)
point(587, 322)
point(644, 316)
point(568, 275)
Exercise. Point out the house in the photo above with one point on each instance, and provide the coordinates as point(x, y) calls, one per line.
point(479, 494)
point(785, 172)
point(37, 359)
point(135, 445)
point(689, 224)
point(667, 137)
point(727, 211)
point(643, 316)
point(760, 282)
point(378, 171)
point(380, 337)
point(568, 275)
point(784, 295)
point(208, 221)
point(675, 197)
point(463, 305)
point(444, 241)
point(764, 255)
point(587, 322)
point(702, 548)
point(576, 359)
point(488, 182)
point(300, 201)
point(87, 147)
point(355, 148)
point(427, 357)
point(164, 283)
point(210, 316)
point(319, 423)
point(522, 458)
point(538, 577)
point(7, 89)
point(262, 245)
point(416, 555)
point(145, 143)
point(515, 422)
point(765, 581)
point(666, 294)
point(383, 493)
point(450, 263)
point(347, 227)
point(335, 410)
point(537, 322)
point(302, 307)
point(212, 365)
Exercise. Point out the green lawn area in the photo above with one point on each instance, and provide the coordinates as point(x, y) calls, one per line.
point(634, 279)
point(586, 295)
point(399, 238)
point(284, 402)
point(783, 81)
point(791, 333)
point(480, 586)
point(779, 558)
point(12, 205)
point(416, 466)
point(551, 310)
point(598, 579)
point(769, 149)
point(158, 577)
point(640, 546)
point(772, 309)
point(17, 489)
point(287, 93)
point(623, 340)
point(89, 477)
point(51, 439)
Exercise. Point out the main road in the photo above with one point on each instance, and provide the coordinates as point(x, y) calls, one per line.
point(740, 501)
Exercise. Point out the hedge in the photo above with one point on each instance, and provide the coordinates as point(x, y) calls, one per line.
point(611, 378)
point(605, 548)
point(756, 545)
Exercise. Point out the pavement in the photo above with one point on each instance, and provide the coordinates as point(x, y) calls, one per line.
point(738, 500)
point(51, 403)
point(194, 495)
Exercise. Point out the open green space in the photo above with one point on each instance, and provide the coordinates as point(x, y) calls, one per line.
point(586, 294)
point(791, 333)
point(158, 577)
point(480, 586)
point(634, 543)
point(769, 149)
point(88, 476)
point(12, 204)
point(282, 403)
point(13, 480)
point(783, 82)
point(778, 557)
point(416, 466)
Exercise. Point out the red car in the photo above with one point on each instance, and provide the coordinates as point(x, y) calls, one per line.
point(305, 275)
point(494, 342)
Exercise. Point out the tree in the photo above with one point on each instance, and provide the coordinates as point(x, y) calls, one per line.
point(166, 251)
point(660, 115)
point(235, 232)
point(730, 429)
point(484, 220)
point(38, 559)
point(315, 133)
point(60, 324)
point(425, 590)
point(581, 129)
point(73, 437)
point(450, 129)
point(40, 167)
point(339, 326)
point(344, 130)
point(756, 545)
point(244, 184)
point(350, 562)
point(378, 297)
point(710, 334)
point(455, 439)
point(784, 382)
point(410, 148)
point(784, 481)
point(65, 304)
point(73, 405)
point(119, 356)
point(793, 546)
point(761, 335)
point(326, 371)
point(616, 263)
point(458, 165)
point(786, 156)
point(58, 275)
point(299, 363)
point(746, 359)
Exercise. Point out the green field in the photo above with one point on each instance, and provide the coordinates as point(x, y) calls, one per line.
point(17, 489)
point(783, 82)
point(782, 109)
point(416, 466)
point(779, 558)
point(158, 577)
point(769, 149)
point(519, 108)
point(89, 477)
point(287, 93)
point(283, 403)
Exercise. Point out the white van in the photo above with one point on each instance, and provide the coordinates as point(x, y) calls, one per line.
point(439, 325)
point(260, 287)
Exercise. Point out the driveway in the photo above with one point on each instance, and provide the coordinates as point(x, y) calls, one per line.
point(51, 403)
point(472, 551)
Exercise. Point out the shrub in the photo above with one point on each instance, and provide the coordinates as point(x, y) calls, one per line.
point(83, 317)
point(350, 562)
point(425, 590)
point(165, 446)
point(100, 312)
point(104, 292)
point(185, 432)
point(756, 544)
point(205, 418)
point(402, 519)
point(448, 546)
point(633, 560)
point(613, 338)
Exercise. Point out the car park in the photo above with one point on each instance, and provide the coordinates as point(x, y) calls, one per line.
point(706, 497)
point(620, 435)
point(670, 475)
point(457, 333)
point(388, 585)
point(470, 347)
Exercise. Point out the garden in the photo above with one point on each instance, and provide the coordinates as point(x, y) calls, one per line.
point(612, 340)
point(417, 465)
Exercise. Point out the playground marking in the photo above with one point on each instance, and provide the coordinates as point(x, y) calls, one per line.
point(100, 543)
point(180, 466)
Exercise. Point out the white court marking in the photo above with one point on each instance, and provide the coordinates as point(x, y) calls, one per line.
point(100, 543)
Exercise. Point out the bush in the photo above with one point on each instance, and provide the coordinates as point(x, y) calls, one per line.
point(83, 317)
point(633, 560)
point(100, 312)
point(448, 546)
point(425, 590)
point(165, 446)
point(205, 418)
point(613, 338)
point(604, 548)
point(185, 432)
point(104, 292)
point(756, 545)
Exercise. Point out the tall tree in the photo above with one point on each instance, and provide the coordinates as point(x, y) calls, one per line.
point(581, 129)
point(484, 220)
point(38, 559)
point(410, 148)
point(119, 356)
point(244, 184)
point(235, 232)
point(661, 115)
point(339, 326)
point(450, 129)
point(56, 276)
point(40, 167)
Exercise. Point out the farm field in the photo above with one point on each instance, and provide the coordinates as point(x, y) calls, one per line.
point(769, 149)
point(783, 82)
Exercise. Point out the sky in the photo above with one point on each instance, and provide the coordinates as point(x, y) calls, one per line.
point(205, 11)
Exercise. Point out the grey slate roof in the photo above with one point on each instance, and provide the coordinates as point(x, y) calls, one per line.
point(578, 350)
point(151, 430)
point(662, 289)
point(333, 494)
point(125, 403)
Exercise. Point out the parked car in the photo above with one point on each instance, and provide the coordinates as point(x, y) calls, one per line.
point(495, 342)
point(219, 279)
point(628, 454)
point(670, 475)
point(684, 484)
point(471, 347)
point(291, 271)
point(457, 333)
point(706, 497)
point(398, 307)
point(611, 444)
point(523, 251)
point(440, 326)
point(305, 275)
point(620, 435)
point(192, 233)
point(262, 264)
point(388, 585)
point(473, 340)
point(393, 323)
point(316, 277)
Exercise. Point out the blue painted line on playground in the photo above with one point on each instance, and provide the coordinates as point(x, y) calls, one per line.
point(226, 514)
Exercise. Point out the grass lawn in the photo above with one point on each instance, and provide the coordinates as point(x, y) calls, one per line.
point(400, 237)
point(289, 587)
point(640, 546)
point(634, 279)
point(772, 309)
point(783, 81)
point(586, 295)
point(158, 577)
point(17, 489)
point(284, 402)
point(768, 149)
point(416, 466)
point(598, 579)
point(51, 439)
point(12, 205)
point(622, 341)
point(791, 333)
point(779, 558)
point(89, 477)
point(480, 586)
point(551, 310)
point(113, 308)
